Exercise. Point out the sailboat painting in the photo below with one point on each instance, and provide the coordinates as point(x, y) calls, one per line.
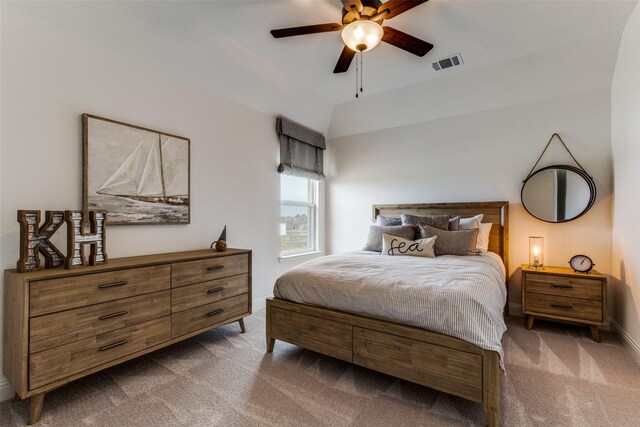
point(138, 175)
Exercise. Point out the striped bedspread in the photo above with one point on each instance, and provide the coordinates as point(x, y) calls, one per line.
point(458, 296)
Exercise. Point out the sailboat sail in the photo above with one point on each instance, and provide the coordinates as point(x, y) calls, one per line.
point(175, 167)
point(151, 180)
point(125, 179)
point(156, 171)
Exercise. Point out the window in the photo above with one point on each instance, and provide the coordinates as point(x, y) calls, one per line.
point(297, 215)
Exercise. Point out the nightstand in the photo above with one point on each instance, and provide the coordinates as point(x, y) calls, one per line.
point(559, 293)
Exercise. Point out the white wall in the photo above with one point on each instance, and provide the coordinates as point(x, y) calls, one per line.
point(481, 156)
point(568, 69)
point(625, 130)
point(51, 75)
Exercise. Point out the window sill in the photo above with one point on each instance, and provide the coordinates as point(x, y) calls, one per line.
point(299, 255)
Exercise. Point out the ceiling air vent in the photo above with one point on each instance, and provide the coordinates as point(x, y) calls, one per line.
point(451, 61)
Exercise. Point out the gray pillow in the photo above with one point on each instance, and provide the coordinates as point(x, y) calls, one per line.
point(462, 242)
point(374, 240)
point(438, 221)
point(384, 220)
point(454, 223)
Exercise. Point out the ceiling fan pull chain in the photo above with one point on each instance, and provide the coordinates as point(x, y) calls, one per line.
point(357, 72)
point(361, 70)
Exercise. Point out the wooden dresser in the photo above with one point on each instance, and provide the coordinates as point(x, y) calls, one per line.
point(560, 293)
point(60, 325)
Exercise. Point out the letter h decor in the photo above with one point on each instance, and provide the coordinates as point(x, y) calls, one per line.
point(77, 238)
point(35, 239)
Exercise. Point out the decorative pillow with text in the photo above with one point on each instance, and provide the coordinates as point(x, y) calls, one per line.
point(394, 245)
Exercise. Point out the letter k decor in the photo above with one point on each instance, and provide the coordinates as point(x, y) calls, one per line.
point(35, 240)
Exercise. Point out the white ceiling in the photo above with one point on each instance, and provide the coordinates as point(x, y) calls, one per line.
point(226, 45)
point(482, 31)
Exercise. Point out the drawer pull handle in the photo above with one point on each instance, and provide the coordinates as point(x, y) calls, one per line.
point(214, 312)
point(115, 344)
point(214, 290)
point(215, 267)
point(562, 305)
point(112, 285)
point(558, 285)
point(116, 314)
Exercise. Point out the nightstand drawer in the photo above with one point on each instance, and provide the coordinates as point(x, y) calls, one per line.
point(582, 309)
point(564, 286)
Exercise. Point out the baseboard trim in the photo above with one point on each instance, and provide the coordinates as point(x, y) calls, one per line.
point(632, 347)
point(6, 391)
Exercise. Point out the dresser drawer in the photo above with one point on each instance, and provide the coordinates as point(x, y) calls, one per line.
point(186, 273)
point(580, 309)
point(193, 319)
point(564, 286)
point(186, 297)
point(53, 330)
point(53, 295)
point(61, 362)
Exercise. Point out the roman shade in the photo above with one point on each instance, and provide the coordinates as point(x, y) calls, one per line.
point(301, 150)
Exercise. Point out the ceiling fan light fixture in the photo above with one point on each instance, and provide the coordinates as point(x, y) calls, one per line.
point(361, 36)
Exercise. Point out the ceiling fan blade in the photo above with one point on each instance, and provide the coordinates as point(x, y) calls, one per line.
point(308, 29)
point(345, 60)
point(406, 42)
point(396, 7)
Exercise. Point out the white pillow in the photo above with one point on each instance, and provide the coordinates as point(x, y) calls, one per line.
point(483, 236)
point(394, 245)
point(470, 223)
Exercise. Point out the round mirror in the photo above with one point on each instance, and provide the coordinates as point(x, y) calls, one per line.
point(558, 193)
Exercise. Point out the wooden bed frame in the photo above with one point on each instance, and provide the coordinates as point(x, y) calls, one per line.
point(435, 360)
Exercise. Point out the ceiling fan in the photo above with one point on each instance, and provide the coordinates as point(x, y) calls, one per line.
point(362, 29)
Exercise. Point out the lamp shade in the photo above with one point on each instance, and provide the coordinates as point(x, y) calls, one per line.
point(362, 36)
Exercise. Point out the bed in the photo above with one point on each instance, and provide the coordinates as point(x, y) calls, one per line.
point(460, 363)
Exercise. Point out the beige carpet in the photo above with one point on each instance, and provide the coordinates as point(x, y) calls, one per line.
point(555, 376)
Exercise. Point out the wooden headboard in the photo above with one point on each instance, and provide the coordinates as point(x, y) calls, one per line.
point(496, 213)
